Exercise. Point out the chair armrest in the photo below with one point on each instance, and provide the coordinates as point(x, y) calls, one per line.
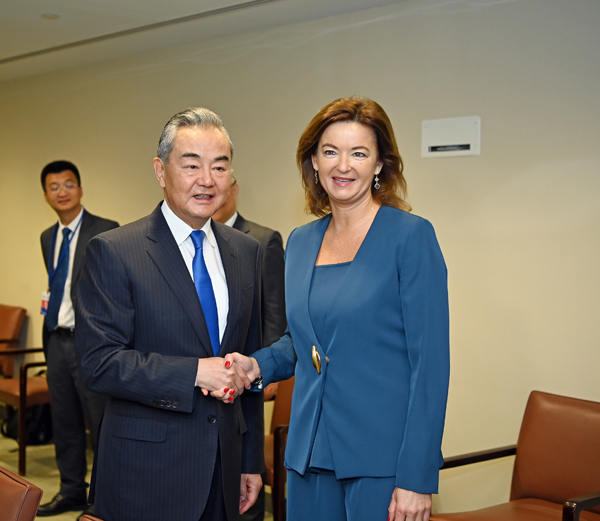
point(279, 442)
point(21, 350)
point(476, 457)
point(28, 365)
point(9, 340)
point(573, 507)
point(280, 435)
point(23, 380)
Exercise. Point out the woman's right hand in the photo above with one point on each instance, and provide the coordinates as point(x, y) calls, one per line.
point(248, 364)
point(407, 505)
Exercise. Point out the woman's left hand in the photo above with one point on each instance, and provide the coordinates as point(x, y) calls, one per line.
point(407, 505)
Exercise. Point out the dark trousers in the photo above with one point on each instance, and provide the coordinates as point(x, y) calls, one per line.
point(72, 404)
point(215, 505)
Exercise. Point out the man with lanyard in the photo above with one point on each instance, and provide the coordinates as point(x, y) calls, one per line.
point(63, 247)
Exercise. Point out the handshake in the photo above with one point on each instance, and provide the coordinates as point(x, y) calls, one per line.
point(226, 378)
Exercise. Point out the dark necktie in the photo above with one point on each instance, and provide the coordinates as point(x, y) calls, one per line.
point(205, 291)
point(57, 288)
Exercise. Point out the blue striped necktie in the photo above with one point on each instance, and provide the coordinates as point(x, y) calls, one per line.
point(205, 291)
point(57, 288)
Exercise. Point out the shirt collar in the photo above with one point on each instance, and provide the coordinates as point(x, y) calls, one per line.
point(231, 220)
point(181, 230)
point(73, 224)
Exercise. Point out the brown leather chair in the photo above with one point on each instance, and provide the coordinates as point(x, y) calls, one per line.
point(24, 392)
point(19, 499)
point(557, 464)
point(11, 323)
point(276, 473)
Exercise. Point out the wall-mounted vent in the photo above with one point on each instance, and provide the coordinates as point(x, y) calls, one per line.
point(451, 137)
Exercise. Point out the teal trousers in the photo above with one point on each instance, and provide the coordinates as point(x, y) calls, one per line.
point(320, 496)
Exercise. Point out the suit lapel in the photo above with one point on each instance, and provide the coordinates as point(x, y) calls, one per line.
point(165, 254)
point(299, 269)
point(240, 224)
point(229, 258)
point(48, 248)
point(85, 234)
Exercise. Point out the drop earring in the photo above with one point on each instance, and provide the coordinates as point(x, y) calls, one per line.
point(377, 185)
point(316, 176)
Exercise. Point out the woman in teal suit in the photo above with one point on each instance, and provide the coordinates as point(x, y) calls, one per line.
point(367, 339)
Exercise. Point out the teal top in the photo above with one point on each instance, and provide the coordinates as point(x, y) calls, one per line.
point(326, 283)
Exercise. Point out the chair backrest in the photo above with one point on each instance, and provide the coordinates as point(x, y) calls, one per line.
point(558, 451)
point(11, 323)
point(282, 407)
point(19, 498)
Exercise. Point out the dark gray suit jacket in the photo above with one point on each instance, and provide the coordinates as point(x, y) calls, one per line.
point(91, 225)
point(272, 278)
point(140, 333)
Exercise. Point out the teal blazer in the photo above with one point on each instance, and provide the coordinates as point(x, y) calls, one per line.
point(383, 387)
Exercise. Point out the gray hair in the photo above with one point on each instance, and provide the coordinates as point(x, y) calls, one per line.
point(190, 117)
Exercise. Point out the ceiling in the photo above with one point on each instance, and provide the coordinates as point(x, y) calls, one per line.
point(40, 37)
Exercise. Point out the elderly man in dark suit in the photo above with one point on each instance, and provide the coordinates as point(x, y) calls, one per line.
point(162, 300)
point(63, 246)
point(272, 299)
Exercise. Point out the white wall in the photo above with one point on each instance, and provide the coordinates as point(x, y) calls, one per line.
point(519, 225)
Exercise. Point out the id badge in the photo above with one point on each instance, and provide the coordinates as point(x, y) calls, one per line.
point(45, 299)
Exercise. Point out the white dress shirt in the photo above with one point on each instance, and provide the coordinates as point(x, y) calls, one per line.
point(231, 220)
point(181, 232)
point(66, 313)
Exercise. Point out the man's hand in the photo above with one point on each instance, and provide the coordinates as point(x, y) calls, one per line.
point(248, 365)
point(407, 505)
point(223, 380)
point(249, 488)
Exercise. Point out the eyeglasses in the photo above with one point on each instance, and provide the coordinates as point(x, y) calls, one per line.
point(66, 187)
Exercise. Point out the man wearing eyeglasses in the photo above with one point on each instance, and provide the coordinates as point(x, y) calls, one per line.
point(63, 246)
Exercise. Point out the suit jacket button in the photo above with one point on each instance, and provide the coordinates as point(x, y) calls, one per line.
point(168, 403)
point(175, 405)
point(162, 403)
point(155, 403)
point(212, 418)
